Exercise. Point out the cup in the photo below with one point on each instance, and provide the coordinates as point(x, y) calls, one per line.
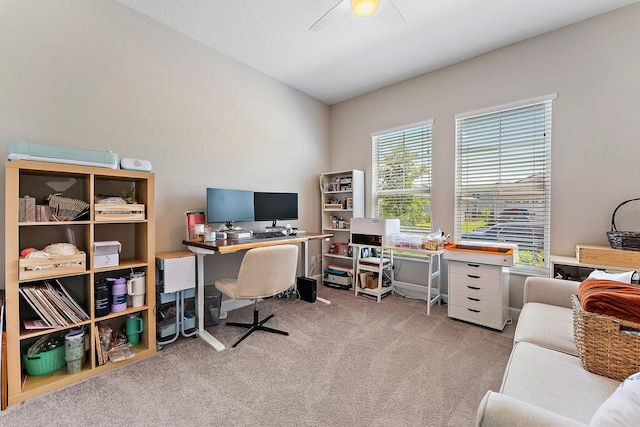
point(133, 329)
point(136, 288)
point(74, 351)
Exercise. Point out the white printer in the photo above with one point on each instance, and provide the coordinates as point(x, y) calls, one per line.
point(369, 231)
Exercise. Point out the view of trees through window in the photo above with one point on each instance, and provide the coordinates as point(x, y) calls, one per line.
point(402, 176)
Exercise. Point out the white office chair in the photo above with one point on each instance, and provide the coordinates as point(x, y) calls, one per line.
point(264, 272)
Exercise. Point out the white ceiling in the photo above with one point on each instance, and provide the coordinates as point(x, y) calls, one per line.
point(355, 55)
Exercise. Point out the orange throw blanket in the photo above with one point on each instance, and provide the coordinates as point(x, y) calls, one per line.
point(612, 298)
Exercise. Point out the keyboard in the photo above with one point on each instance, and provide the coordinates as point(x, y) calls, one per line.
point(267, 234)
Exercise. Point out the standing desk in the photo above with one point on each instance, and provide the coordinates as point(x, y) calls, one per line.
point(201, 249)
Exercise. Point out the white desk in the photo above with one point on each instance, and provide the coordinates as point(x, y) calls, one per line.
point(201, 249)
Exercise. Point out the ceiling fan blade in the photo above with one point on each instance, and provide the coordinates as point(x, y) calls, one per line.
point(331, 16)
point(389, 14)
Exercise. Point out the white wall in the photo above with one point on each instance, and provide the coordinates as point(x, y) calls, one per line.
point(98, 75)
point(594, 67)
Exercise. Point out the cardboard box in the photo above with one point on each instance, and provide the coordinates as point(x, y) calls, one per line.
point(106, 254)
point(372, 282)
point(368, 280)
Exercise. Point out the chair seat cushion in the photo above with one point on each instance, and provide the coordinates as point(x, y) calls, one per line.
point(548, 326)
point(227, 287)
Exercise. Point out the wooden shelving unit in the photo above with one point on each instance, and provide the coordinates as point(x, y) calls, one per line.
point(137, 235)
point(342, 197)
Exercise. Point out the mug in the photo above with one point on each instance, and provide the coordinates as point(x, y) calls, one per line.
point(136, 288)
point(133, 328)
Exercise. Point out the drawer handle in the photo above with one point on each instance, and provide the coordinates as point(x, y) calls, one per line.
point(473, 299)
point(475, 288)
point(472, 276)
point(475, 311)
point(473, 265)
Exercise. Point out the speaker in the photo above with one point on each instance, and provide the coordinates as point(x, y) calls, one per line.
point(308, 289)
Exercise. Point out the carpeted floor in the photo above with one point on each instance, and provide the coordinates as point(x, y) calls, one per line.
point(352, 363)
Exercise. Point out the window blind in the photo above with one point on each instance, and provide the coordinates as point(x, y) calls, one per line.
point(401, 182)
point(503, 185)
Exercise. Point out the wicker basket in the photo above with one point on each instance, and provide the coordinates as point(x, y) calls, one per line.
point(603, 348)
point(628, 240)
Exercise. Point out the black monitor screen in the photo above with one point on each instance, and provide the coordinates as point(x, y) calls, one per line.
point(229, 206)
point(275, 206)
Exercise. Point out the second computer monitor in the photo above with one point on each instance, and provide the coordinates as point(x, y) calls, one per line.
point(275, 206)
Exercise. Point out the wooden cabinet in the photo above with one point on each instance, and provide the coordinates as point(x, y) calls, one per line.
point(134, 230)
point(342, 198)
point(479, 293)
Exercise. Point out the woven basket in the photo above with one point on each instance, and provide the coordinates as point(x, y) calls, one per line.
point(603, 348)
point(628, 240)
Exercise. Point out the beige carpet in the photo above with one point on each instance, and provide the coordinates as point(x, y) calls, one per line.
point(352, 363)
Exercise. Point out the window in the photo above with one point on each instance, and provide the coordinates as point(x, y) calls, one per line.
point(402, 176)
point(503, 186)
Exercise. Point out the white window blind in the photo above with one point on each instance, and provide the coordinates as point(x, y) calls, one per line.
point(503, 185)
point(401, 183)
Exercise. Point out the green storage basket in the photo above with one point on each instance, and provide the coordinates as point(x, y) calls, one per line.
point(43, 363)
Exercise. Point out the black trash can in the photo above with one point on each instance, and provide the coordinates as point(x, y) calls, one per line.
point(212, 305)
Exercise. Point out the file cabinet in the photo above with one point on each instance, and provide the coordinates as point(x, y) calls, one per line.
point(479, 293)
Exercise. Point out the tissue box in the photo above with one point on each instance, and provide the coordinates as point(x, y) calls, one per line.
point(106, 254)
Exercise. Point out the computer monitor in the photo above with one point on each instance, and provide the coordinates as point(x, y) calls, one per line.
point(275, 206)
point(229, 206)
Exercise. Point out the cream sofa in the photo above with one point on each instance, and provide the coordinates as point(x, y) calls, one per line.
point(544, 383)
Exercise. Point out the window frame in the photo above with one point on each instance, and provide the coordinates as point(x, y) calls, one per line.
point(426, 160)
point(492, 129)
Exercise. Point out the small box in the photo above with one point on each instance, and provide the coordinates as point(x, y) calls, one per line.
point(372, 282)
point(106, 254)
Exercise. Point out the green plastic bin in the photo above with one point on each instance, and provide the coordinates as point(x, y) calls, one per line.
point(43, 363)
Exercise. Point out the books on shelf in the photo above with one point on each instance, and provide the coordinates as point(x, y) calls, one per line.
point(53, 304)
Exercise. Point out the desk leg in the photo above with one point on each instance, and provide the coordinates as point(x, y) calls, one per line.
point(429, 277)
point(202, 333)
point(438, 297)
point(305, 266)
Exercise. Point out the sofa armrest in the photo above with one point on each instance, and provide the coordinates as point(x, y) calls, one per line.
point(549, 291)
point(499, 410)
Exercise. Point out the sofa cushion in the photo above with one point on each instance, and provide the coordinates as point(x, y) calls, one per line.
point(555, 381)
point(622, 409)
point(548, 326)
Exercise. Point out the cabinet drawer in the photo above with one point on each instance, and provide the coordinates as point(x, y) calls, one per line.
point(463, 291)
point(475, 269)
point(474, 281)
point(479, 317)
point(482, 305)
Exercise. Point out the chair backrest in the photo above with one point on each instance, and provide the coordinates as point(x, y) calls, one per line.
point(267, 271)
